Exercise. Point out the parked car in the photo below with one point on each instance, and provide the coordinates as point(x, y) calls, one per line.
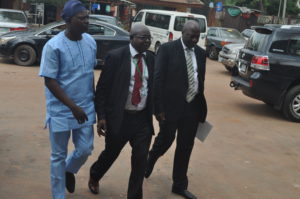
point(217, 37)
point(167, 25)
point(269, 68)
point(247, 33)
point(228, 56)
point(108, 19)
point(12, 20)
point(25, 47)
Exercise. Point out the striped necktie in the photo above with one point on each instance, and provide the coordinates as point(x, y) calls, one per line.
point(190, 71)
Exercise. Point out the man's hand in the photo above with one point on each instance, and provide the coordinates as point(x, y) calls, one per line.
point(160, 117)
point(79, 114)
point(101, 127)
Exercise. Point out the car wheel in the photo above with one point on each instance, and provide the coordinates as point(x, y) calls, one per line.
point(213, 53)
point(269, 104)
point(291, 105)
point(157, 46)
point(24, 55)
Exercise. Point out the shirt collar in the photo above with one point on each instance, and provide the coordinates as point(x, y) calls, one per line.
point(185, 47)
point(133, 51)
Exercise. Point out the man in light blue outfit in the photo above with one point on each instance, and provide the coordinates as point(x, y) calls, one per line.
point(67, 65)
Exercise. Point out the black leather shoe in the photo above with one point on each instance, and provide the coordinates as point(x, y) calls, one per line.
point(184, 193)
point(93, 186)
point(149, 167)
point(70, 182)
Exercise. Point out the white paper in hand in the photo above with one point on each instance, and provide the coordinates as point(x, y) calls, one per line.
point(203, 130)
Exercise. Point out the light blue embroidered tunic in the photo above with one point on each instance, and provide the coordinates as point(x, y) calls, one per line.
point(71, 63)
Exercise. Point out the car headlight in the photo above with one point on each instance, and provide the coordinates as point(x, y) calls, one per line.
point(4, 40)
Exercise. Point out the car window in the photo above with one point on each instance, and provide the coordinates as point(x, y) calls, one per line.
point(54, 31)
point(139, 17)
point(180, 21)
point(294, 45)
point(158, 20)
point(257, 41)
point(279, 43)
point(95, 29)
point(212, 32)
point(14, 17)
point(230, 33)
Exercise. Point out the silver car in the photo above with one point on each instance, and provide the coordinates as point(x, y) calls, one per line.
point(228, 56)
point(12, 20)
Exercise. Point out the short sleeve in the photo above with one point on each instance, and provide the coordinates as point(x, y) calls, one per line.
point(49, 62)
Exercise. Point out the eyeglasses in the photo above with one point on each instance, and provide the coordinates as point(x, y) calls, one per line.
point(144, 38)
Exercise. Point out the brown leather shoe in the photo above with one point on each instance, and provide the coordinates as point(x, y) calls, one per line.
point(93, 186)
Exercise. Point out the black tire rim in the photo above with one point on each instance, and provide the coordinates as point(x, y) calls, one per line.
point(296, 105)
point(24, 55)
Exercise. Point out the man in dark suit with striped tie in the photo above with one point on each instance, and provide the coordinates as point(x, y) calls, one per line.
point(179, 102)
point(124, 109)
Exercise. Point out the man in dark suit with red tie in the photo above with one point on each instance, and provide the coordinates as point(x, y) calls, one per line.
point(179, 102)
point(124, 109)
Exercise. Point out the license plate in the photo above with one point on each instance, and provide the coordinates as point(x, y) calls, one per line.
point(242, 68)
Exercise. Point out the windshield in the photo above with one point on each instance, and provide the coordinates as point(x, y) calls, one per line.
point(180, 21)
point(49, 25)
point(13, 17)
point(257, 41)
point(231, 33)
point(109, 20)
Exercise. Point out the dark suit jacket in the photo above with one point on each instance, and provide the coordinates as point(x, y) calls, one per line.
point(171, 81)
point(113, 88)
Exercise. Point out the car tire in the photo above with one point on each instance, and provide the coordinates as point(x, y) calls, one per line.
point(228, 68)
point(291, 105)
point(25, 55)
point(213, 53)
point(269, 104)
point(157, 46)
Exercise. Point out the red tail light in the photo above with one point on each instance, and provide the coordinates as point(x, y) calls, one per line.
point(170, 36)
point(251, 83)
point(223, 43)
point(260, 62)
point(17, 29)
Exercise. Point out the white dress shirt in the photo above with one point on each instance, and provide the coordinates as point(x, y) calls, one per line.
point(143, 89)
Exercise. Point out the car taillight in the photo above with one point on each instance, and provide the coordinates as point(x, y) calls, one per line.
point(260, 62)
point(17, 29)
point(170, 36)
point(223, 43)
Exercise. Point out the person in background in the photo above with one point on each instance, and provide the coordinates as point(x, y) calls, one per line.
point(67, 64)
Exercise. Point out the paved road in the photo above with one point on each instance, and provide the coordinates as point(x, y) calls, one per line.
point(252, 152)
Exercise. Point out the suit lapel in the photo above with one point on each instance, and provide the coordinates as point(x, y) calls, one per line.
point(181, 59)
point(149, 66)
point(126, 66)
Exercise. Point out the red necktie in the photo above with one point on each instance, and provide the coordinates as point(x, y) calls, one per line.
point(138, 80)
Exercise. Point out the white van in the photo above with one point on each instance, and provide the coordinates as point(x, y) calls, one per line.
point(167, 25)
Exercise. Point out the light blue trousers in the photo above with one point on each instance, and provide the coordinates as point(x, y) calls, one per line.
point(60, 163)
